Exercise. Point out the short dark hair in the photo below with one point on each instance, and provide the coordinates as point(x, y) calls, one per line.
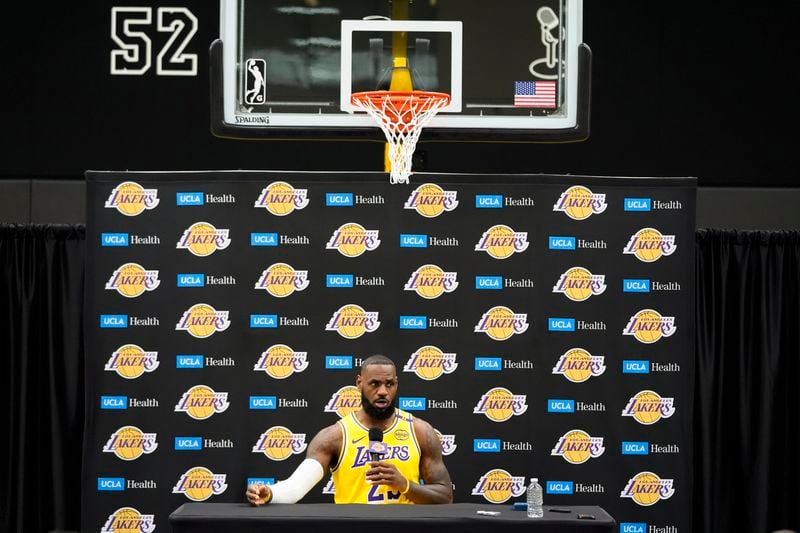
point(376, 360)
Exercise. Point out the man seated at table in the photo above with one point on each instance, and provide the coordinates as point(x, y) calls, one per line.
point(413, 452)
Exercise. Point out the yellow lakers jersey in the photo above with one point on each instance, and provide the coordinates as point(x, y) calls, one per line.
point(350, 473)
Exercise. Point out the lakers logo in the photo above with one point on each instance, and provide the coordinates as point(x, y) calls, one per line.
point(579, 203)
point(279, 443)
point(500, 404)
point(430, 200)
point(351, 321)
point(498, 486)
point(430, 281)
point(131, 199)
point(280, 361)
point(202, 320)
point(429, 363)
point(344, 401)
point(502, 242)
point(448, 442)
point(649, 245)
point(329, 488)
point(578, 365)
point(647, 488)
point(130, 361)
point(281, 280)
point(129, 520)
point(578, 284)
point(577, 447)
point(132, 280)
point(202, 239)
point(500, 323)
point(648, 326)
point(352, 240)
point(199, 484)
point(129, 443)
point(201, 402)
point(648, 407)
point(281, 199)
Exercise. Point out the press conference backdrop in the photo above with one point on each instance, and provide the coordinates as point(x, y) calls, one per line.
point(542, 324)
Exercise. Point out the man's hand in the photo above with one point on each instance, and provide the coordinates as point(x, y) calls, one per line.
point(383, 473)
point(258, 494)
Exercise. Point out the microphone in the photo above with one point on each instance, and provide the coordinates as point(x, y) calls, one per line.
point(377, 448)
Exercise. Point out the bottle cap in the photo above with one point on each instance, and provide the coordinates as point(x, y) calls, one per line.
point(534, 480)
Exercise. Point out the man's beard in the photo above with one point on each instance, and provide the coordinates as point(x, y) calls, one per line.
point(375, 412)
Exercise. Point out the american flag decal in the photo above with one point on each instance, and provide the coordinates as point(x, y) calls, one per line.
point(535, 94)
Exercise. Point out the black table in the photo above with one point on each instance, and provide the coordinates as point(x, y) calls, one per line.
point(330, 518)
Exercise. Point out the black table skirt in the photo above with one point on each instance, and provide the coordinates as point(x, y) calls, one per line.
point(330, 518)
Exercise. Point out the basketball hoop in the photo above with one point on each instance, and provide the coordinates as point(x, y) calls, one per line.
point(401, 115)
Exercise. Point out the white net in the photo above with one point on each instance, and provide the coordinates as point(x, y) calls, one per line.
point(401, 116)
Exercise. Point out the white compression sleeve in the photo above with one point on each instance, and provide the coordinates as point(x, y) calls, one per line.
point(290, 490)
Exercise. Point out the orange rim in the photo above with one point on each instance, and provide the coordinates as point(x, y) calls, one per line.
point(417, 97)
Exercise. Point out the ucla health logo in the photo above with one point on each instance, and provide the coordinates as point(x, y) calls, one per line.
point(649, 245)
point(279, 443)
point(344, 401)
point(130, 361)
point(132, 280)
point(578, 284)
point(203, 239)
point(429, 363)
point(647, 488)
point(430, 200)
point(576, 447)
point(202, 320)
point(498, 486)
point(129, 519)
point(351, 321)
point(199, 484)
point(579, 203)
point(131, 199)
point(578, 365)
point(201, 402)
point(448, 442)
point(129, 443)
point(501, 242)
point(430, 281)
point(281, 280)
point(352, 240)
point(648, 407)
point(500, 323)
point(499, 404)
point(280, 361)
point(281, 199)
point(648, 326)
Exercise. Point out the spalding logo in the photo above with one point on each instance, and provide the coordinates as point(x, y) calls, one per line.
point(131, 199)
point(430, 200)
point(279, 443)
point(498, 486)
point(281, 199)
point(647, 488)
point(199, 484)
point(579, 203)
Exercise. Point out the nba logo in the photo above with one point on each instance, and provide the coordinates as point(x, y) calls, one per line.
point(256, 87)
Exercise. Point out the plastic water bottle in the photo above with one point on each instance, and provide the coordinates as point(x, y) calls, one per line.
point(535, 499)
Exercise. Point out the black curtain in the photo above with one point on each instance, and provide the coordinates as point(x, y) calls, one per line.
point(747, 408)
point(41, 351)
point(747, 371)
